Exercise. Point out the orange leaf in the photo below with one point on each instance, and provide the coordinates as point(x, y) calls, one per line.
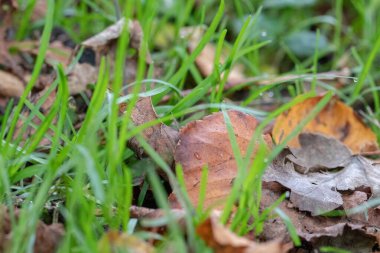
point(206, 143)
point(336, 120)
point(222, 240)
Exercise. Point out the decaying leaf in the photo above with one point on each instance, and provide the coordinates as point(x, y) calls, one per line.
point(39, 10)
point(104, 42)
point(205, 60)
point(353, 200)
point(316, 231)
point(318, 152)
point(101, 41)
point(206, 143)
point(222, 240)
point(143, 212)
point(335, 120)
point(10, 85)
point(47, 236)
point(81, 76)
point(56, 52)
point(318, 192)
point(114, 241)
point(161, 137)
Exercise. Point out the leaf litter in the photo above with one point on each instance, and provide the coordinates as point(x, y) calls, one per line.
point(322, 167)
point(318, 192)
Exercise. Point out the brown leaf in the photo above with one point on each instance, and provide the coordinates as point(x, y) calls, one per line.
point(81, 76)
point(39, 10)
point(206, 143)
point(10, 85)
point(101, 41)
point(335, 120)
point(161, 137)
point(56, 52)
point(222, 240)
point(318, 152)
point(319, 192)
point(353, 200)
point(318, 230)
point(47, 236)
point(114, 241)
point(143, 212)
point(104, 42)
point(205, 60)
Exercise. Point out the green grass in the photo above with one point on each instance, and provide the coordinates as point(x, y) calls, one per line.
point(81, 176)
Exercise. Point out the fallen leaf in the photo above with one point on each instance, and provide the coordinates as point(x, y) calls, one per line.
point(318, 192)
point(104, 42)
point(7, 61)
point(353, 200)
point(114, 241)
point(318, 152)
point(206, 59)
point(206, 143)
point(47, 236)
point(39, 10)
point(56, 52)
point(10, 85)
point(139, 212)
point(160, 137)
point(222, 240)
point(335, 120)
point(316, 231)
point(81, 76)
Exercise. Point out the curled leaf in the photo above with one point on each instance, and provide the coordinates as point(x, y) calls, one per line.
point(335, 120)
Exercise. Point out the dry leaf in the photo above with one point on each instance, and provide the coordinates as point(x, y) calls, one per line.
point(318, 230)
point(222, 240)
point(56, 52)
point(114, 241)
point(47, 236)
point(139, 212)
point(81, 76)
point(39, 10)
point(205, 60)
point(160, 137)
point(318, 152)
point(335, 120)
point(101, 41)
point(318, 192)
point(206, 143)
point(10, 85)
point(353, 200)
point(104, 42)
